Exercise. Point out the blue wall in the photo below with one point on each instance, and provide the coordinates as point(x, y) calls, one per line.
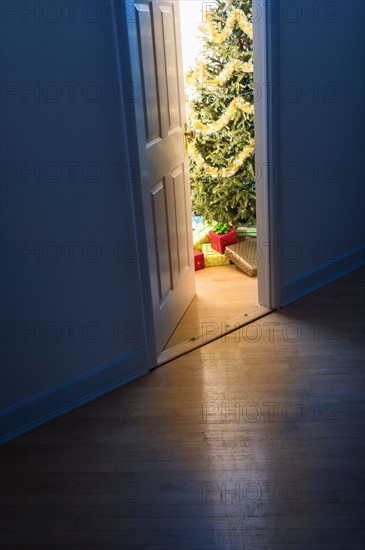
point(318, 95)
point(79, 290)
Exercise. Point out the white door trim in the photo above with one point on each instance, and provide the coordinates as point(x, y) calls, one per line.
point(267, 146)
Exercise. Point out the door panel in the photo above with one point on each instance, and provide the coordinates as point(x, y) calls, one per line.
point(173, 242)
point(154, 40)
point(170, 53)
point(160, 225)
point(148, 69)
point(182, 234)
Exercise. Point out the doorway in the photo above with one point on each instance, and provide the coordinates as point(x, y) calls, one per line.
point(150, 54)
point(225, 294)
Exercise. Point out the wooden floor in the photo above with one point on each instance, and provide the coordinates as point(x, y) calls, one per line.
point(254, 442)
point(222, 293)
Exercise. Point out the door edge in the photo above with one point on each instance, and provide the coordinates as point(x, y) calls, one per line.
point(121, 27)
point(267, 148)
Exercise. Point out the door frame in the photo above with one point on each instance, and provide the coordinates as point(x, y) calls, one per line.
point(266, 150)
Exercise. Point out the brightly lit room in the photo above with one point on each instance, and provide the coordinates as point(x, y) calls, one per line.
point(217, 46)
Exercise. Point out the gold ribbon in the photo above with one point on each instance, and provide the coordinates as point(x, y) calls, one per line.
point(236, 16)
point(202, 76)
point(227, 172)
point(217, 125)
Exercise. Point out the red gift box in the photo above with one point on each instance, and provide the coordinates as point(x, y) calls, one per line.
point(219, 242)
point(198, 260)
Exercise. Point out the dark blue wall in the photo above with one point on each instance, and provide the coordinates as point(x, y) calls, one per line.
point(79, 291)
point(319, 96)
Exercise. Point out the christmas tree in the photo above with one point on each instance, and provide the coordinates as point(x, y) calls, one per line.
point(220, 109)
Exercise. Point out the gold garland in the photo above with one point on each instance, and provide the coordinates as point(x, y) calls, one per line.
point(239, 17)
point(217, 125)
point(236, 16)
point(227, 172)
point(200, 73)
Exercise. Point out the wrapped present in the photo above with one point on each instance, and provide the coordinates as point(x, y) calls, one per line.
point(246, 231)
point(198, 221)
point(244, 255)
point(201, 236)
point(219, 242)
point(212, 257)
point(198, 260)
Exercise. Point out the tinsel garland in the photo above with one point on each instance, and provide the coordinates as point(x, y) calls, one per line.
point(217, 125)
point(229, 170)
point(236, 16)
point(202, 76)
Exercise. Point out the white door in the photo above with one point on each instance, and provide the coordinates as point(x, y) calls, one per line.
point(159, 107)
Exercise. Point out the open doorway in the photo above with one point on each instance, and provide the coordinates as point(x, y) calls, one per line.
point(226, 290)
point(149, 46)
